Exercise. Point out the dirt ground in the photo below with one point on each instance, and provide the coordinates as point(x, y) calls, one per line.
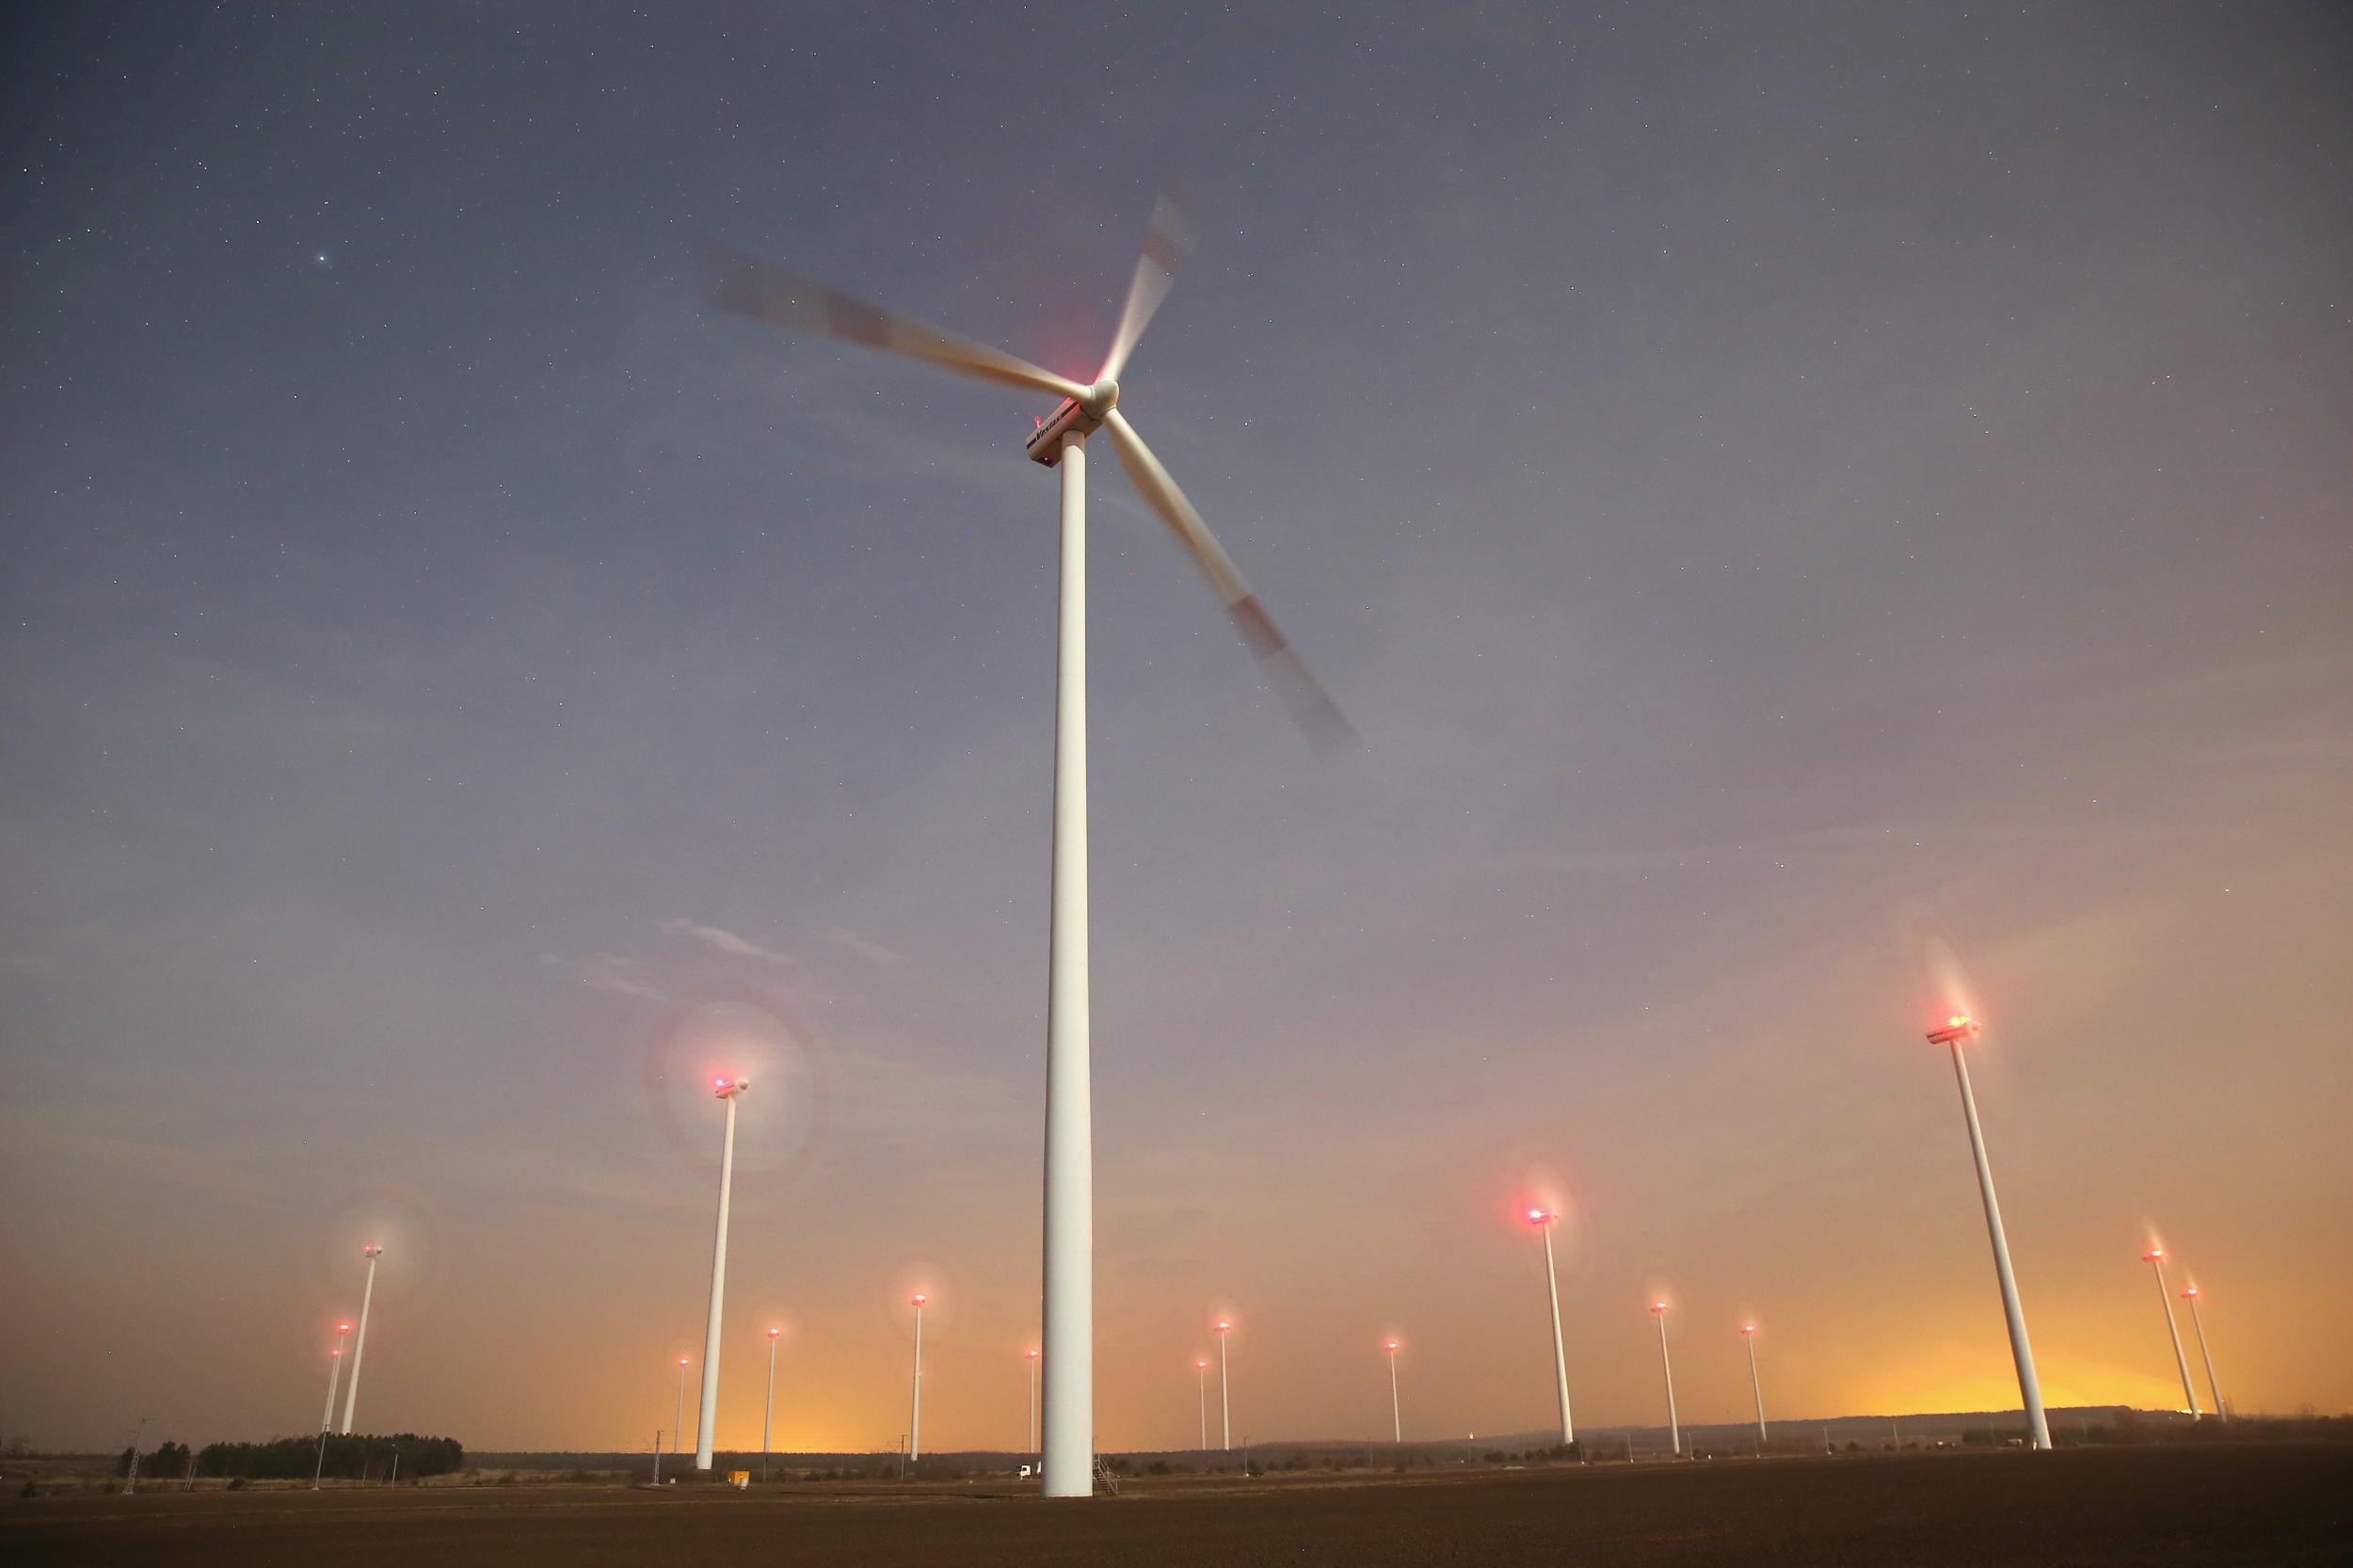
point(2268, 1505)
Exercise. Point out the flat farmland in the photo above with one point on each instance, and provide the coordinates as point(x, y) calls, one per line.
point(2268, 1504)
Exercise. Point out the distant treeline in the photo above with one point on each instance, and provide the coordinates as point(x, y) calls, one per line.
point(298, 1458)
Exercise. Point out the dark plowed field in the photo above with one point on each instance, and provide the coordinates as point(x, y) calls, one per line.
point(2267, 1505)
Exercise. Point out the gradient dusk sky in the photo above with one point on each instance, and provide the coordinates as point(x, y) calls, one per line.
point(1815, 510)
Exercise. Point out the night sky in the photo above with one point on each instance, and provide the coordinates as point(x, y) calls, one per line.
point(1820, 515)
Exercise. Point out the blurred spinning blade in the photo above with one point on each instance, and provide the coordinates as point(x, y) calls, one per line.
point(1310, 707)
point(748, 286)
point(1166, 240)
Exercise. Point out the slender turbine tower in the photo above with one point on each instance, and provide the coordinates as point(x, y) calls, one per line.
point(1675, 1430)
point(748, 287)
point(678, 1417)
point(915, 1414)
point(1748, 1337)
point(1543, 1220)
point(1224, 1388)
point(768, 1421)
point(2155, 1258)
point(2222, 1411)
point(359, 1346)
point(1201, 1388)
point(334, 1369)
point(1396, 1421)
point(1958, 1028)
point(1034, 1399)
point(707, 1404)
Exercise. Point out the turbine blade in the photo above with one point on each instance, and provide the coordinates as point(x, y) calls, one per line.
point(1166, 239)
point(1327, 730)
point(751, 287)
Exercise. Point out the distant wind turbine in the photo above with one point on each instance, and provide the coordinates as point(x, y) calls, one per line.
point(335, 1369)
point(1957, 1027)
point(2155, 1258)
point(707, 1404)
point(1543, 1220)
point(915, 1406)
point(752, 288)
point(2221, 1410)
point(1675, 1430)
point(359, 1346)
point(1201, 1392)
point(1748, 1337)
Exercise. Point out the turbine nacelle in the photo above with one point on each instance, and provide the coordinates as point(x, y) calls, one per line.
point(1079, 416)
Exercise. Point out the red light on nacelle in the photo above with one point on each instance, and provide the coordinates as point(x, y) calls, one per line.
point(343, 1328)
point(1032, 1352)
point(919, 1298)
point(774, 1331)
point(2152, 1255)
point(1223, 1325)
point(1659, 1306)
point(1390, 1347)
point(1200, 1365)
point(1748, 1328)
point(681, 1361)
point(2189, 1293)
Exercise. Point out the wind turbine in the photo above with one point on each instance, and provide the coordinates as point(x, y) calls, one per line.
point(749, 287)
point(1748, 1337)
point(707, 1404)
point(2155, 1258)
point(334, 1370)
point(1674, 1429)
point(2222, 1411)
point(1201, 1389)
point(1957, 1027)
point(1224, 1388)
point(768, 1421)
point(1543, 1220)
point(360, 1346)
point(1397, 1419)
point(915, 1411)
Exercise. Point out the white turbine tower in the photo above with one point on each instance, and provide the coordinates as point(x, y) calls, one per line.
point(915, 1407)
point(1201, 1393)
point(707, 1407)
point(1674, 1429)
point(334, 1370)
point(359, 1346)
point(1396, 1418)
point(768, 1420)
point(1034, 1399)
point(1543, 1220)
point(1748, 1337)
point(2155, 1258)
point(752, 288)
point(1224, 1388)
point(2222, 1411)
point(1957, 1027)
